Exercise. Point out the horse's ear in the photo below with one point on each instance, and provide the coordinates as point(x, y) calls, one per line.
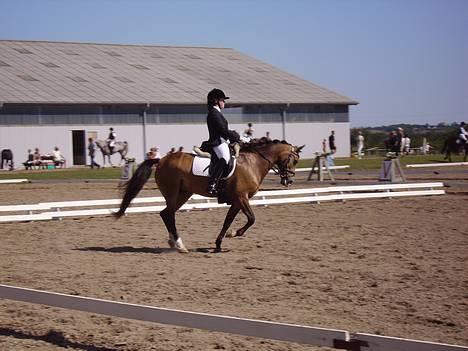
point(299, 148)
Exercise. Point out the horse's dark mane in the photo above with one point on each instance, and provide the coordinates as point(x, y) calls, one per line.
point(255, 144)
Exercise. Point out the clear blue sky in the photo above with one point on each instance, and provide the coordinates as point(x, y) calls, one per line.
point(405, 61)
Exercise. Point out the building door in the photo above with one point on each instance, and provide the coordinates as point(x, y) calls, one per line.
point(79, 147)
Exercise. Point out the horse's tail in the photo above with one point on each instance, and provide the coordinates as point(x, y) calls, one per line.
point(135, 184)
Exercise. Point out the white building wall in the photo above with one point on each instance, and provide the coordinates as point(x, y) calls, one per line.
point(21, 138)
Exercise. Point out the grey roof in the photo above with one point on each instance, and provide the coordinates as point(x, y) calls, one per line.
point(80, 73)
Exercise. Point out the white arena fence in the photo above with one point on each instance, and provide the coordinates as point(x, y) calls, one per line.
point(12, 181)
point(308, 169)
point(449, 164)
point(334, 338)
point(54, 210)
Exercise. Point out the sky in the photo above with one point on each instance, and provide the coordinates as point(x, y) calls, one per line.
point(404, 61)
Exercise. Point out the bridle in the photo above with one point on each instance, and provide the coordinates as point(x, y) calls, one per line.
point(282, 168)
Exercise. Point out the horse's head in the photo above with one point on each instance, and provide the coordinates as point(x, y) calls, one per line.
point(287, 161)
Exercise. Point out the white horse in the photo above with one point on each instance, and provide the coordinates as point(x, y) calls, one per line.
point(120, 147)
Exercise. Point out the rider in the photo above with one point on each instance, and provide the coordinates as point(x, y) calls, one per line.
point(111, 140)
point(462, 134)
point(220, 137)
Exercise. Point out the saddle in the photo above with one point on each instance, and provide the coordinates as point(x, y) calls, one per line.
point(203, 164)
point(207, 164)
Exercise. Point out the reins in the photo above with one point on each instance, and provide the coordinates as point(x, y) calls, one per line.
point(281, 170)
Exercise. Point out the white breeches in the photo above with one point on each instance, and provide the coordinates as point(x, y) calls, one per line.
point(222, 151)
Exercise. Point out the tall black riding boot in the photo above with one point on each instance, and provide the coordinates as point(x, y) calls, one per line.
point(218, 171)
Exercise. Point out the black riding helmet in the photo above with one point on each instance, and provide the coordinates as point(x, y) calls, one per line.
point(215, 94)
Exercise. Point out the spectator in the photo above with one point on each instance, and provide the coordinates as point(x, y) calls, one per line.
point(150, 155)
point(392, 142)
point(29, 163)
point(171, 151)
point(58, 158)
point(248, 133)
point(92, 147)
point(181, 149)
point(462, 134)
point(360, 144)
point(399, 141)
point(406, 145)
point(324, 146)
point(37, 158)
point(157, 154)
point(267, 136)
point(331, 142)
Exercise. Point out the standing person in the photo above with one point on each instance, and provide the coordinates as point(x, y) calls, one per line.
point(331, 142)
point(219, 138)
point(406, 144)
point(399, 141)
point(92, 147)
point(360, 144)
point(267, 136)
point(324, 146)
point(462, 134)
point(111, 140)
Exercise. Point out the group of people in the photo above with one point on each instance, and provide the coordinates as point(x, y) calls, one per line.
point(398, 142)
point(331, 148)
point(39, 160)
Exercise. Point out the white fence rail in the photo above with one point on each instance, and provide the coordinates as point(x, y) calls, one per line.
point(422, 165)
point(12, 181)
point(54, 210)
point(308, 169)
point(248, 327)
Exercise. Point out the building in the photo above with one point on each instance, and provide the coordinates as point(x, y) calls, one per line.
point(61, 93)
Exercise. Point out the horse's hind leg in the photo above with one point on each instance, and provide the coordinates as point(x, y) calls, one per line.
point(232, 213)
point(247, 210)
point(168, 216)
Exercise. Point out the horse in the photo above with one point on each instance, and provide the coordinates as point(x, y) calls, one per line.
point(451, 145)
point(120, 147)
point(176, 182)
point(7, 159)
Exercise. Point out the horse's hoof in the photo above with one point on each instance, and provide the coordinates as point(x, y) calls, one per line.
point(179, 245)
point(217, 250)
point(239, 233)
point(230, 234)
point(171, 243)
point(182, 250)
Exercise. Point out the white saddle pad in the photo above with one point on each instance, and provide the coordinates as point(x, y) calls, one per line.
point(200, 167)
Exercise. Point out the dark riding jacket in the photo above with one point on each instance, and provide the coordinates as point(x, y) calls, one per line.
point(218, 128)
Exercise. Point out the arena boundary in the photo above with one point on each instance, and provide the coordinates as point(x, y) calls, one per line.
point(334, 338)
point(12, 181)
point(262, 198)
point(422, 165)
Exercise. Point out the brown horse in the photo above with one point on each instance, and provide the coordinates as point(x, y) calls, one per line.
point(177, 183)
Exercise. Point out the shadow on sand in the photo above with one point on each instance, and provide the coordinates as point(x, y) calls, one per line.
point(55, 338)
point(150, 250)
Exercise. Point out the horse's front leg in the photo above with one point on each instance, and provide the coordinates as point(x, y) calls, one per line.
point(247, 210)
point(232, 213)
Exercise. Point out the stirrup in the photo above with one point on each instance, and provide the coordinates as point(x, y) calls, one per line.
point(213, 188)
